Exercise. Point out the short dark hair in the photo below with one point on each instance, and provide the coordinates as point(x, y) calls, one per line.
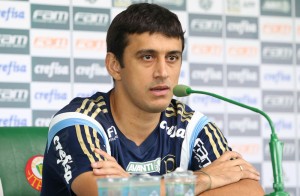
point(140, 18)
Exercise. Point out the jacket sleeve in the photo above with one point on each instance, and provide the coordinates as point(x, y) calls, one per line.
point(209, 145)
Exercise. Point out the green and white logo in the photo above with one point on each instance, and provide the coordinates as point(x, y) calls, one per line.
point(144, 167)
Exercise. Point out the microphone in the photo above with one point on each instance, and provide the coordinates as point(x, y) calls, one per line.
point(276, 146)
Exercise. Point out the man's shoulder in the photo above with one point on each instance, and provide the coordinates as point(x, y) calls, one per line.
point(179, 110)
point(81, 104)
point(179, 106)
point(91, 111)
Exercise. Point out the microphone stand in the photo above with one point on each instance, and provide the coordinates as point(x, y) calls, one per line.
point(276, 146)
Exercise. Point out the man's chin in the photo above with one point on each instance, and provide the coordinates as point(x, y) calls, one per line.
point(159, 105)
point(158, 108)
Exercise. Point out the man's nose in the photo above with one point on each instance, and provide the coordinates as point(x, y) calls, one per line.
point(161, 68)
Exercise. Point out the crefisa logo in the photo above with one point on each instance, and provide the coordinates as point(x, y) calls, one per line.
point(33, 171)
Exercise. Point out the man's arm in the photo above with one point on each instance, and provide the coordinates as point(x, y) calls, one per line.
point(86, 183)
point(243, 187)
point(228, 173)
point(226, 177)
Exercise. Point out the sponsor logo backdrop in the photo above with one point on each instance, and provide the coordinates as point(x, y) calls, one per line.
point(247, 50)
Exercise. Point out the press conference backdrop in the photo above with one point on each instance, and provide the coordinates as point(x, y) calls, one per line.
point(248, 50)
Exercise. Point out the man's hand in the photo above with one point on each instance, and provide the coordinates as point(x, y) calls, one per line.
point(108, 167)
point(227, 169)
point(86, 183)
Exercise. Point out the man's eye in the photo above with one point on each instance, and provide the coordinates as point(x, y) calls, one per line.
point(172, 58)
point(147, 57)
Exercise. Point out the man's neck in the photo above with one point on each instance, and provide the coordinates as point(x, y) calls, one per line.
point(134, 123)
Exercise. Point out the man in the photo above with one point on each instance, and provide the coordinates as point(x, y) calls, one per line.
point(137, 127)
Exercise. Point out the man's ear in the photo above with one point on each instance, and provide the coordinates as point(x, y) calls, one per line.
point(113, 66)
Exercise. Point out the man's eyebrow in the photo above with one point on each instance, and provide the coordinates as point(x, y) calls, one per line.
point(145, 51)
point(175, 52)
point(153, 52)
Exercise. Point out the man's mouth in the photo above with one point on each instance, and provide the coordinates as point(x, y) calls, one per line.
point(160, 88)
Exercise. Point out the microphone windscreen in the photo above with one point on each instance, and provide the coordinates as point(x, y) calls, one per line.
point(180, 90)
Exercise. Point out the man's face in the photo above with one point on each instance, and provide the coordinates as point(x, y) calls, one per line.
point(152, 67)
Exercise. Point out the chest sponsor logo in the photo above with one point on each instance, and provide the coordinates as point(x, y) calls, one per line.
point(172, 131)
point(144, 167)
